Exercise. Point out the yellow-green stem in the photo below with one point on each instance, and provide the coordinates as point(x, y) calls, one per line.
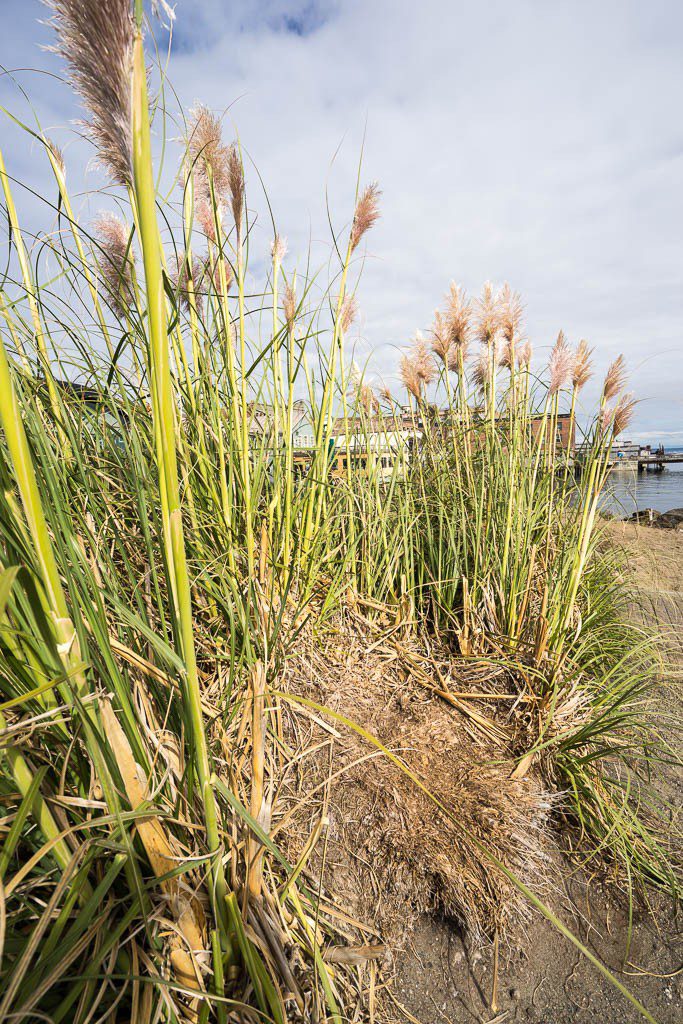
point(164, 414)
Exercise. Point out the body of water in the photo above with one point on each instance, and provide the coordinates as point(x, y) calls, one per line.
point(628, 491)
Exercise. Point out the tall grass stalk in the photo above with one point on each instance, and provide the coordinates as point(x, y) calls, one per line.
point(165, 432)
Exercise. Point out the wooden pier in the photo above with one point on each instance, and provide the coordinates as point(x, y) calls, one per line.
point(646, 460)
point(658, 460)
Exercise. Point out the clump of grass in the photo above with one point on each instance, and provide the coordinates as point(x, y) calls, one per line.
point(502, 541)
point(163, 539)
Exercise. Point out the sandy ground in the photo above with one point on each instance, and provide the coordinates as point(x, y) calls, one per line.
point(545, 980)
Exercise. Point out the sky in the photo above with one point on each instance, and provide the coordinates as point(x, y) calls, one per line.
point(538, 142)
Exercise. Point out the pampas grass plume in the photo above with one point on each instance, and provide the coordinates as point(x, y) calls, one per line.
point(96, 41)
point(366, 213)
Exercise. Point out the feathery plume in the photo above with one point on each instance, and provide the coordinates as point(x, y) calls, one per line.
point(583, 362)
point(481, 370)
point(524, 353)
point(96, 41)
point(560, 364)
point(57, 155)
point(425, 368)
point(289, 304)
point(207, 151)
point(450, 331)
point(181, 277)
point(510, 315)
point(229, 276)
point(623, 413)
point(208, 158)
point(386, 395)
point(367, 398)
point(507, 354)
point(442, 344)
point(278, 248)
point(458, 316)
point(510, 312)
point(203, 211)
point(365, 393)
point(606, 417)
point(214, 163)
point(409, 376)
point(116, 259)
point(236, 185)
point(487, 315)
point(615, 379)
point(366, 213)
point(347, 313)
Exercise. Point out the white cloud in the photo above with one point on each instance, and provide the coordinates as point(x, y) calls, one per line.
point(533, 142)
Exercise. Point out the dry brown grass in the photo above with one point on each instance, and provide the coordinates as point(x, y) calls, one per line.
point(389, 853)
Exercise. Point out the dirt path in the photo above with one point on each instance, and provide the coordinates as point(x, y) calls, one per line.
point(545, 980)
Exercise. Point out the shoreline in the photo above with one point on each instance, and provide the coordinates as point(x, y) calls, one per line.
point(669, 520)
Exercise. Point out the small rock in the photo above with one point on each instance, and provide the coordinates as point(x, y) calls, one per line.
point(646, 516)
point(671, 520)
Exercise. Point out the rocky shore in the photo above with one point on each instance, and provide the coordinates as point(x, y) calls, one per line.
point(671, 520)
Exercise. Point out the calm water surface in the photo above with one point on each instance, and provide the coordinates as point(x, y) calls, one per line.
point(628, 491)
